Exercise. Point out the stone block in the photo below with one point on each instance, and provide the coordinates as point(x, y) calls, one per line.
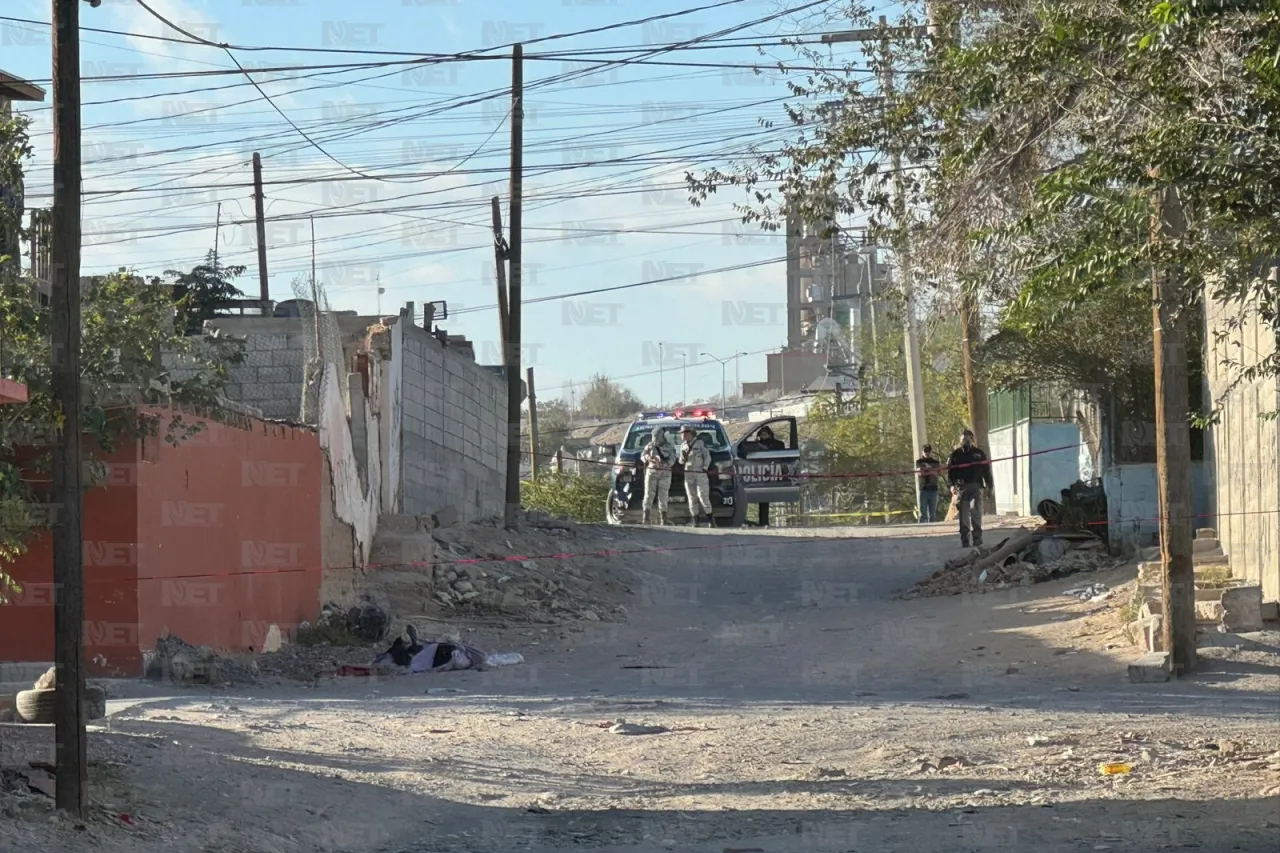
point(269, 342)
point(1151, 668)
point(445, 517)
point(287, 357)
point(1242, 609)
point(1270, 610)
point(1205, 546)
point(278, 375)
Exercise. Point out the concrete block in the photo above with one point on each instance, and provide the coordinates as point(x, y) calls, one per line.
point(1271, 610)
point(279, 375)
point(1206, 533)
point(286, 357)
point(445, 517)
point(1151, 668)
point(257, 358)
point(269, 342)
point(1205, 546)
point(1242, 609)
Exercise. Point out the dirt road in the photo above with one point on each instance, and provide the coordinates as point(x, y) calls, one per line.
point(806, 708)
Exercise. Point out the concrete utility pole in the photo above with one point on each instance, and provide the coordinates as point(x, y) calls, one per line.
point(915, 385)
point(533, 428)
point(217, 233)
point(259, 213)
point(1173, 443)
point(71, 774)
point(662, 391)
point(513, 288)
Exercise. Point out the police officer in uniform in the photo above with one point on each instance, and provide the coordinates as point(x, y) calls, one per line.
point(767, 440)
point(696, 459)
point(968, 471)
point(658, 458)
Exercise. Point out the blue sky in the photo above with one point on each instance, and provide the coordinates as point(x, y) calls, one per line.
point(180, 146)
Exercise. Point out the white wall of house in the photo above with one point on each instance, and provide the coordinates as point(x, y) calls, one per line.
point(1245, 447)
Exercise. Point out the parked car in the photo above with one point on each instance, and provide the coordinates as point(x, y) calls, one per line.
point(742, 471)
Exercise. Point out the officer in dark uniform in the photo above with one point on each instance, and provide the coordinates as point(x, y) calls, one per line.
point(768, 442)
point(968, 472)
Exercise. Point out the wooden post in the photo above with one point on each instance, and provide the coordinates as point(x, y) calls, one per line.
point(500, 250)
point(533, 427)
point(513, 286)
point(1173, 443)
point(68, 554)
point(260, 216)
point(559, 460)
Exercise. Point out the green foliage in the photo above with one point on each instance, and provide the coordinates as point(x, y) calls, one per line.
point(580, 498)
point(126, 326)
point(872, 434)
point(205, 291)
point(1034, 135)
point(606, 399)
point(554, 418)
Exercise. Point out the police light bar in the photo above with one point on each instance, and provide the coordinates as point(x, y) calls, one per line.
point(644, 416)
point(703, 413)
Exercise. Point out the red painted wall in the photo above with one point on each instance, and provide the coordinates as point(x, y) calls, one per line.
point(231, 525)
point(212, 539)
point(109, 531)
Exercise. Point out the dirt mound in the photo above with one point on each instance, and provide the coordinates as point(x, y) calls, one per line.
point(543, 571)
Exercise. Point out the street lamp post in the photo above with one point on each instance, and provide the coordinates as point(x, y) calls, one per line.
point(684, 379)
point(724, 363)
point(662, 358)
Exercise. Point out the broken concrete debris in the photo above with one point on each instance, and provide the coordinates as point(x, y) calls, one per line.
point(179, 661)
point(1022, 559)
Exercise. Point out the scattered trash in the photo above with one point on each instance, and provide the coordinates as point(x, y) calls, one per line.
point(504, 659)
point(1092, 592)
point(625, 728)
point(354, 671)
point(1115, 768)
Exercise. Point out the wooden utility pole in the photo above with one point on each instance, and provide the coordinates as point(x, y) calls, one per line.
point(68, 550)
point(217, 233)
point(1173, 442)
point(260, 215)
point(500, 254)
point(533, 427)
point(911, 344)
point(513, 285)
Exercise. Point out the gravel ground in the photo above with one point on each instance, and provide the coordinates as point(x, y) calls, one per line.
point(804, 707)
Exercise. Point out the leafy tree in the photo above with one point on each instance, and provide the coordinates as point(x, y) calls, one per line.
point(871, 434)
point(205, 291)
point(1033, 136)
point(554, 419)
point(606, 399)
point(128, 333)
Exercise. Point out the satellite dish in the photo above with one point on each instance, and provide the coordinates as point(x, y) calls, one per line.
point(941, 362)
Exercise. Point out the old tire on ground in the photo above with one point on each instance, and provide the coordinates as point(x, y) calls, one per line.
point(37, 706)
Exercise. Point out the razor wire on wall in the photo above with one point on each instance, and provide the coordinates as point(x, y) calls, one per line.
point(322, 346)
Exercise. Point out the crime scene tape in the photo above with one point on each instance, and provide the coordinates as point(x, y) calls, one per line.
point(122, 576)
point(942, 469)
point(606, 553)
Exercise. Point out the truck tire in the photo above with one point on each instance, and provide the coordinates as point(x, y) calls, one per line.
point(37, 706)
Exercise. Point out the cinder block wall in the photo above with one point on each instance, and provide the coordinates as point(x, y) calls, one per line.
point(453, 439)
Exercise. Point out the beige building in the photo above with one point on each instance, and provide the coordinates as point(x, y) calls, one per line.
point(1244, 446)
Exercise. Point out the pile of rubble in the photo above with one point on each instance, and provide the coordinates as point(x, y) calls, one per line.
point(1025, 558)
point(543, 571)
